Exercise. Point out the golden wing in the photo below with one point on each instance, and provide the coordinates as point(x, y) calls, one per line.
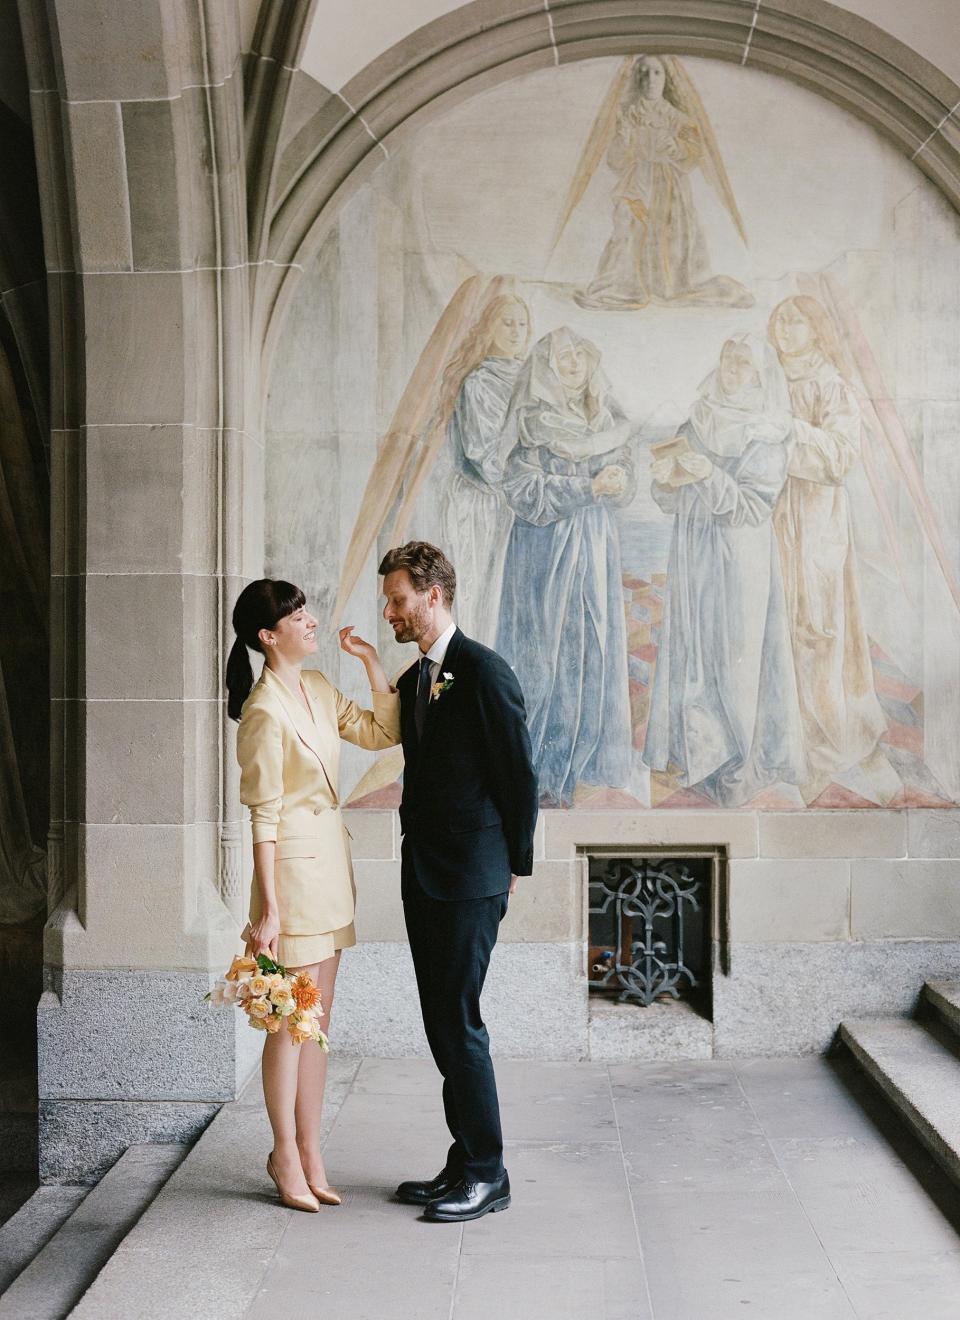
point(399, 445)
point(595, 149)
point(681, 91)
point(386, 770)
point(435, 437)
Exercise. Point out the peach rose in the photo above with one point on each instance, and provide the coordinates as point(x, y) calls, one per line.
point(272, 1024)
point(281, 995)
point(301, 1027)
point(258, 1008)
point(259, 984)
point(241, 967)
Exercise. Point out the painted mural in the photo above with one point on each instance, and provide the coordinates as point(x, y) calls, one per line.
point(659, 350)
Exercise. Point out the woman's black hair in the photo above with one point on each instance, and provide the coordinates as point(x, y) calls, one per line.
point(262, 604)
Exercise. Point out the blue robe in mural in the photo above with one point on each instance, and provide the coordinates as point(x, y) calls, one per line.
point(476, 519)
point(562, 624)
point(724, 711)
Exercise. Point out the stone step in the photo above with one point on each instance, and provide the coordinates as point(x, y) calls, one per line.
point(28, 1231)
point(944, 998)
point(72, 1255)
point(919, 1076)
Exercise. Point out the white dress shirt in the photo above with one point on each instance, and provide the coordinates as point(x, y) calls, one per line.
point(438, 651)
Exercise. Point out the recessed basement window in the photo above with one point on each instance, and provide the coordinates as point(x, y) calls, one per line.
point(650, 926)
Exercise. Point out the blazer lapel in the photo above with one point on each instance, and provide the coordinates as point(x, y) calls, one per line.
point(307, 730)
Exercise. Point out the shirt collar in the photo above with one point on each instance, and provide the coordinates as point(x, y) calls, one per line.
point(439, 649)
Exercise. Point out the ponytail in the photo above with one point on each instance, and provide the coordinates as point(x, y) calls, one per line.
point(260, 605)
point(239, 678)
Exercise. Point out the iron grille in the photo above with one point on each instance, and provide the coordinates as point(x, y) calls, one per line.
point(649, 927)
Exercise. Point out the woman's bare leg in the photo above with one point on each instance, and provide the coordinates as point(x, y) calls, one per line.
point(280, 1065)
point(313, 1079)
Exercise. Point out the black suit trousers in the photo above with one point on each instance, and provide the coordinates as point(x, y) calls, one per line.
point(451, 943)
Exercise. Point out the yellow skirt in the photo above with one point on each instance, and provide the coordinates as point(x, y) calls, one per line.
point(305, 950)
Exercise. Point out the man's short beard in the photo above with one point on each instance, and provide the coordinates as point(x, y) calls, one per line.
point(415, 626)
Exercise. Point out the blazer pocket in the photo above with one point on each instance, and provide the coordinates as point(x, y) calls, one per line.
point(297, 848)
point(465, 822)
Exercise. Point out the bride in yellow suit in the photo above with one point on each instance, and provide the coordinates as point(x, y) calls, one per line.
point(302, 899)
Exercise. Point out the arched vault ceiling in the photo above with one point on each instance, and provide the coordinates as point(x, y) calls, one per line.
point(331, 135)
point(347, 35)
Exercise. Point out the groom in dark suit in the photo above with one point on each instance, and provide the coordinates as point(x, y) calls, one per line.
point(468, 813)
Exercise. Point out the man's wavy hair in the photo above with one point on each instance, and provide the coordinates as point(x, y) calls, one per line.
point(426, 565)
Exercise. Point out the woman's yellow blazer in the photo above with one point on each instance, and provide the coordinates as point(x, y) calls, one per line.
point(289, 770)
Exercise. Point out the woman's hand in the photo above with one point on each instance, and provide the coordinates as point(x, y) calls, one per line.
point(264, 935)
point(363, 651)
point(356, 646)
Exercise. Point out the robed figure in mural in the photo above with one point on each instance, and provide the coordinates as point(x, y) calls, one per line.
point(724, 713)
point(475, 395)
point(562, 624)
point(653, 132)
point(843, 721)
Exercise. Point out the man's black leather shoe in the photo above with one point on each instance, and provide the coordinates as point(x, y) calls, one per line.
point(422, 1193)
point(469, 1200)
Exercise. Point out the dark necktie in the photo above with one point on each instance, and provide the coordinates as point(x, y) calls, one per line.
point(423, 695)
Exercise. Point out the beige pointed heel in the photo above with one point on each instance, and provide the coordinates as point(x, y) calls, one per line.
point(326, 1195)
point(308, 1203)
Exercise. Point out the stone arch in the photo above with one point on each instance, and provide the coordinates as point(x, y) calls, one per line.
point(814, 43)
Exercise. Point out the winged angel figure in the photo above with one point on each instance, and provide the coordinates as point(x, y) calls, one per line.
point(450, 416)
point(653, 131)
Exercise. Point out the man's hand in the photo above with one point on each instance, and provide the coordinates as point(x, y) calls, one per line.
point(514, 881)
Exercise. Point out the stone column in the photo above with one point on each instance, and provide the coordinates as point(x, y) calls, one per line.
point(157, 519)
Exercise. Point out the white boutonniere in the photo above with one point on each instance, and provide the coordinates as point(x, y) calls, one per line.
point(441, 685)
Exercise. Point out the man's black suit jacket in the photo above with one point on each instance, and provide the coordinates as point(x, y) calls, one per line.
point(470, 796)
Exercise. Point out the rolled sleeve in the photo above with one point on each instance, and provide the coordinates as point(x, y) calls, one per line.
point(374, 729)
point(260, 753)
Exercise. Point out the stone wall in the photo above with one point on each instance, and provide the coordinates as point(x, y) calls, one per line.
point(190, 171)
point(832, 915)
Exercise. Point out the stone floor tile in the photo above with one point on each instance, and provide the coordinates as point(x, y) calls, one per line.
point(367, 1283)
point(555, 1103)
point(709, 1099)
point(678, 1077)
point(396, 1077)
point(575, 1288)
point(700, 1204)
point(715, 1253)
point(857, 1195)
point(700, 1132)
point(368, 1147)
point(677, 1159)
point(906, 1281)
point(368, 1215)
point(814, 1098)
point(567, 1200)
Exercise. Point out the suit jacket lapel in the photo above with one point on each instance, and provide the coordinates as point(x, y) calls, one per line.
point(407, 687)
point(307, 730)
point(434, 716)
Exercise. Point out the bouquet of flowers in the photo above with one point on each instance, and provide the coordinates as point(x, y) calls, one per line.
point(270, 997)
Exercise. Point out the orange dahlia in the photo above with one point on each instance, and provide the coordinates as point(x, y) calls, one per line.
point(305, 993)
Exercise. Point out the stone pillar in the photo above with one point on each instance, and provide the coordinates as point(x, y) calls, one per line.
point(157, 520)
